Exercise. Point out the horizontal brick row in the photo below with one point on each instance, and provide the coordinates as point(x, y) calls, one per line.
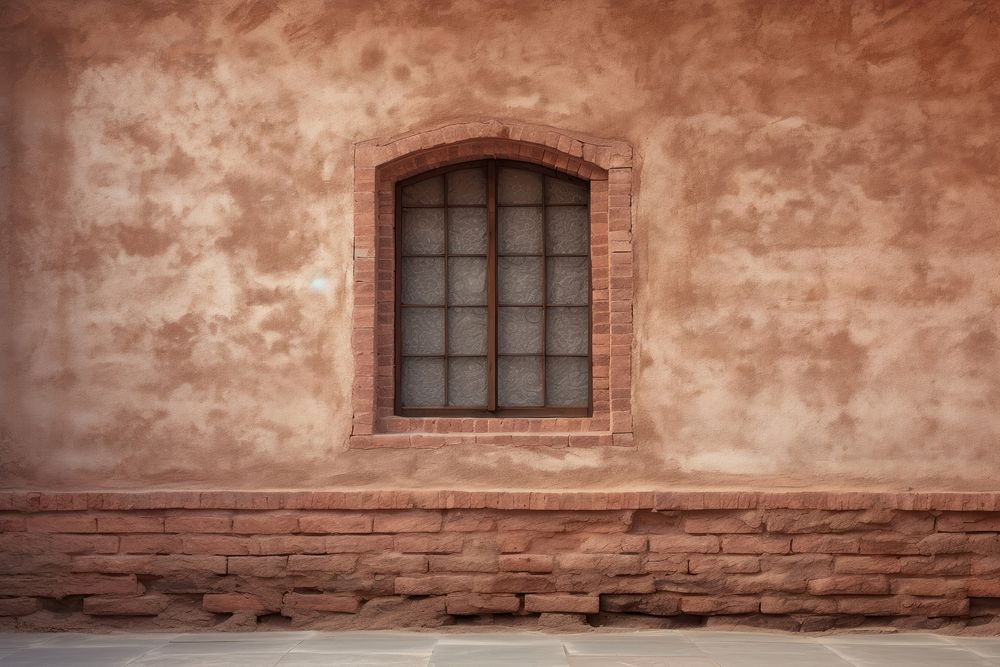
point(196, 568)
point(963, 512)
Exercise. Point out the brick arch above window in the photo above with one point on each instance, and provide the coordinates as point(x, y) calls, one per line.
point(378, 166)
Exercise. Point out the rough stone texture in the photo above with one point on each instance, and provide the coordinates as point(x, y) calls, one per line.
point(350, 581)
point(814, 221)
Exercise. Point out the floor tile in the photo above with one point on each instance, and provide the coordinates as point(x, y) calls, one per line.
point(222, 648)
point(698, 636)
point(640, 661)
point(881, 639)
point(192, 637)
point(353, 660)
point(984, 647)
point(897, 655)
point(230, 658)
point(499, 654)
point(632, 644)
point(100, 656)
point(368, 642)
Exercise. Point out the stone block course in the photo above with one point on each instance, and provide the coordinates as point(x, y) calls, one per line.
point(794, 566)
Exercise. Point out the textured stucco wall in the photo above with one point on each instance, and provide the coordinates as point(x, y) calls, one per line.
point(816, 225)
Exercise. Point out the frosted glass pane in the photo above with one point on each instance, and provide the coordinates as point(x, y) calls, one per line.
point(423, 231)
point(568, 281)
point(520, 281)
point(467, 186)
point(520, 330)
point(520, 230)
point(466, 331)
point(567, 331)
point(467, 381)
point(559, 191)
point(429, 192)
point(567, 230)
point(422, 382)
point(423, 280)
point(423, 330)
point(567, 380)
point(519, 186)
point(467, 281)
point(519, 381)
point(467, 231)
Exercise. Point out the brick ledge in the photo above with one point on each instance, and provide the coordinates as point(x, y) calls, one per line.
point(45, 501)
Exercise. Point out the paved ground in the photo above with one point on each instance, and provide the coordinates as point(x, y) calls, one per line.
point(398, 649)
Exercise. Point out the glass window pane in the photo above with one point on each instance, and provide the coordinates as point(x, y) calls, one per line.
point(569, 284)
point(423, 330)
point(467, 186)
point(561, 191)
point(429, 192)
point(567, 380)
point(467, 330)
point(519, 381)
point(467, 381)
point(467, 231)
point(422, 382)
point(520, 230)
point(423, 281)
point(567, 230)
point(467, 281)
point(520, 330)
point(423, 231)
point(520, 281)
point(519, 186)
point(567, 331)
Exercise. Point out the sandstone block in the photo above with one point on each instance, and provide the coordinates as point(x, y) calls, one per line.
point(328, 602)
point(129, 523)
point(258, 566)
point(339, 522)
point(434, 584)
point(711, 604)
point(609, 564)
point(704, 544)
point(756, 544)
point(727, 564)
point(197, 523)
point(19, 606)
point(513, 582)
point(847, 584)
point(461, 604)
point(411, 521)
point(429, 544)
point(273, 524)
point(537, 563)
point(338, 563)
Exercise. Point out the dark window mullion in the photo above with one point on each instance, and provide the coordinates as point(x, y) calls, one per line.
point(545, 291)
point(491, 285)
point(447, 248)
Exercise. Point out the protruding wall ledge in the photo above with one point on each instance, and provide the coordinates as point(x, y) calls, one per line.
point(376, 499)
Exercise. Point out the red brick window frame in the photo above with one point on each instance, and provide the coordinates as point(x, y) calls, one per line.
point(378, 166)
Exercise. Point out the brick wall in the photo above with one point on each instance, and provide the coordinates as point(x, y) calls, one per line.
point(222, 560)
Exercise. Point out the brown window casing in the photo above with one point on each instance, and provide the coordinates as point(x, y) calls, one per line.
point(492, 306)
point(378, 166)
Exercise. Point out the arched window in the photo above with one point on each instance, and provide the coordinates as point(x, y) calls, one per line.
point(493, 290)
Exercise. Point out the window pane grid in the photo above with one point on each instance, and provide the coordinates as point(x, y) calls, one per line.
point(533, 262)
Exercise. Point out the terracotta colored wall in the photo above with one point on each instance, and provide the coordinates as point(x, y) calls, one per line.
point(815, 222)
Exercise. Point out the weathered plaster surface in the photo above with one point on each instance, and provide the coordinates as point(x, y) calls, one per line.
point(816, 224)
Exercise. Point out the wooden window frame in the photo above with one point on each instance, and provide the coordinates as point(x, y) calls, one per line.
point(493, 165)
point(378, 166)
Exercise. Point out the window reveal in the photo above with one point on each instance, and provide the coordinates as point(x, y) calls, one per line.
point(493, 292)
